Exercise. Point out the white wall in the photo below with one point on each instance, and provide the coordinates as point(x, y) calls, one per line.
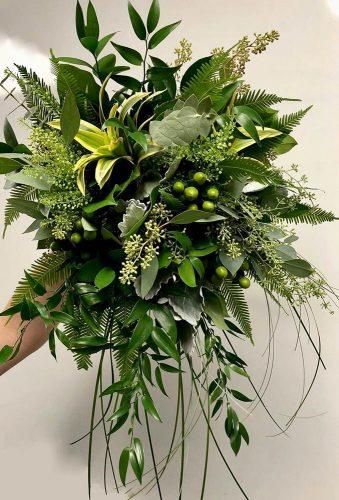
point(44, 405)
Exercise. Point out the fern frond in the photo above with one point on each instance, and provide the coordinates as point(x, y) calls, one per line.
point(17, 192)
point(49, 269)
point(253, 169)
point(209, 79)
point(124, 358)
point(38, 96)
point(237, 305)
point(306, 214)
point(259, 99)
point(287, 123)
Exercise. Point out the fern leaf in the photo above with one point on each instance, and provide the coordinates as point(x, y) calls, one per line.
point(83, 361)
point(209, 79)
point(253, 169)
point(17, 192)
point(260, 99)
point(49, 269)
point(38, 96)
point(236, 304)
point(287, 123)
point(305, 214)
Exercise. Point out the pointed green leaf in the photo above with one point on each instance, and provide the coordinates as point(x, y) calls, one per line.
point(148, 277)
point(187, 274)
point(37, 287)
point(130, 55)
point(161, 34)
point(153, 16)
point(165, 343)
point(141, 332)
point(148, 404)
point(70, 118)
point(103, 42)
point(158, 378)
point(92, 28)
point(298, 267)
point(104, 278)
point(9, 134)
point(80, 21)
point(137, 22)
point(123, 465)
point(8, 165)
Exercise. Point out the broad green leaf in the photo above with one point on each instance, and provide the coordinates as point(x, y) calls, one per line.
point(238, 370)
point(64, 318)
point(137, 22)
point(128, 82)
point(214, 306)
point(285, 144)
point(5, 353)
point(190, 216)
point(251, 113)
point(90, 43)
point(103, 42)
point(104, 169)
point(133, 218)
point(104, 278)
point(286, 252)
point(92, 28)
point(245, 121)
point(89, 136)
point(119, 386)
point(233, 265)
point(9, 134)
point(165, 318)
point(148, 277)
point(130, 55)
point(148, 404)
point(37, 287)
point(202, 252)
point(187, 274)
point(182, 239)
point(123, 465)
point(165, 343)
point(138, 311)
point(73, 60)
point(141, 332)
point(161, 34)
point(130, 102)
point(140, 138)
point(240, 144)
point(153, 16)
point(226, 95)
point(41, 182)
point(180, 127)
point(9, 165)
point(198, 266)
point(298, 267)
point(106, 65)
point(70, 118)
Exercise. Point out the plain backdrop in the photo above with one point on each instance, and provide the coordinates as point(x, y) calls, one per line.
point(44, 405)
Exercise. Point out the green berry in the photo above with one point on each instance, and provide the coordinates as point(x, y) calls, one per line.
point(78, 225)
point(212, 193)
point(191, 193)
point(179, 187)
point(245, 266)
point(244, 282)
point(208, 206)
point(200, 178)
point(76, 238)
point(90, 235)
point(193, 206)
point(221, 272)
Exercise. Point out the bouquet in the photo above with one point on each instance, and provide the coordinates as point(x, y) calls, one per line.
point(156, 202)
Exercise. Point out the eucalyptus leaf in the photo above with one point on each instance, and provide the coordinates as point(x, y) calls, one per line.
point(148, 277)
point(298, 267)
point(233, 265)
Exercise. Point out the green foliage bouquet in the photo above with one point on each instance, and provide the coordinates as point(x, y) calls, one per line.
point(157, 202)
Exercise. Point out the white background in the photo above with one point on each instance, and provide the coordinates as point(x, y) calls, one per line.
point(44, 405)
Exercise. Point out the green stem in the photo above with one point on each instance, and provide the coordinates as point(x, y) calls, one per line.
point(182, 463)
point(108, 450)
point(207, 447)
point(144, 65)
point(152, 453)
point(212, 433)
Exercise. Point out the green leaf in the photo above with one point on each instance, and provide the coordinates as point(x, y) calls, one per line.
point(27, 207)
point(190, 216)
point(141, 333)
point(233, 265)
point(138, 311)
point(73, 60)
point(9, 165)
point(148, 277)
point(88, 341)
point(245, 121)
point(106, 65)
point(120, 412)
point(165, 343)
point(187, 274)
point(148, 404)
point(80, 21)
point(244, 434)
point(192, 71)
point(62, 317)
point(215, 308)
point(37, 287)
point(251, 113)
point(180, 127)
point(284, 144)
point(104, 278)
point(158, 378)
point(123, 465)
point(119, 386)
point(163, 33)
point(130, 55)
point(9, 134)
point(202, 252)
point(5, 354)
point(137, 22)
point(182, 239)
point(128, 82)
point(103, 42)
point(41, 181)
point(137, 459)
point(298, 267)
point(198, 266)
point(226, 96)
point(153, 16)
point(92, 28)
point(140, 138)
point(169, 368)
point(70, 118)
point(164, 317)
point(286, 252)
point(237, 369)
point(90, 43)
point(240, 396)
